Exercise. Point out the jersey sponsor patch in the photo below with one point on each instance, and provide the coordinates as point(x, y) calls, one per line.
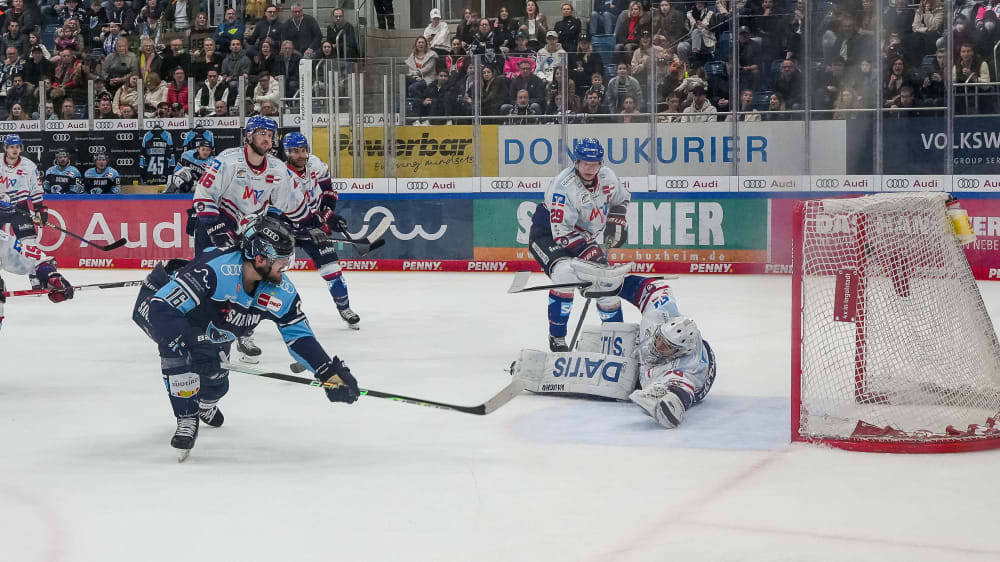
point(269, 302)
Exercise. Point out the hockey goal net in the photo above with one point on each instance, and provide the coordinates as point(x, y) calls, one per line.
point(892, 347)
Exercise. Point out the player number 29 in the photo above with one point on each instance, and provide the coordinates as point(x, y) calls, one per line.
point(557, 215)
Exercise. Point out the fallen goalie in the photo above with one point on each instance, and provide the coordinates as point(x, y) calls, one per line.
point(662, 364)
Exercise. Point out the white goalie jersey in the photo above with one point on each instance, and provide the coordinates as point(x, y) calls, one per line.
point(232, 188)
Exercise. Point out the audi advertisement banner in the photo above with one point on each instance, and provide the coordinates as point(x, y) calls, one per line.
point(695, 150)
point(660, 230)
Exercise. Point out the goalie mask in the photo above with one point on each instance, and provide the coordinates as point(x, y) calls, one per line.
point(676, 337)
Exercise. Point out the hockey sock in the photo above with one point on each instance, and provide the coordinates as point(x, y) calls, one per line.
point(632, 289)
point(559, 309)
point(183, 389)
point(338, 288)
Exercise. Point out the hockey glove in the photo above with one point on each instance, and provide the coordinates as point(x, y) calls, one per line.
point(59, 288)
point(41, 214)
point(337, 223)
point(202, 355)
point(616, 230)
point(318, 237)
point(337, 373)
point(221, 236)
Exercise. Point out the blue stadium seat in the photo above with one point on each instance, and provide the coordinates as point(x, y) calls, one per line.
point(762, 100)
point(715, 69)
point(610, 71)
point(928, 63)
point(603, 45)
point(774, 72)
point(48, 37)
point(725, 46)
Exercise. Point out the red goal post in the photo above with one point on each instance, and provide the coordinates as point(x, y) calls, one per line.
point(892, 347)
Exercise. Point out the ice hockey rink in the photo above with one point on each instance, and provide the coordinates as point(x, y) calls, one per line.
point(87, 473)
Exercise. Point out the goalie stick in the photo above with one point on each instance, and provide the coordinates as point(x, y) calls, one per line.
point(520, 282)
point(39, 292)
point(499, 399)
point(104, 248)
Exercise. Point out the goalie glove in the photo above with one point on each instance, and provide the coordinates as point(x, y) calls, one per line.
point(616, 229)
point(345, 386)
point(605, 280)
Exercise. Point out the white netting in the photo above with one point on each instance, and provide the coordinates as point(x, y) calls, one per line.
point(913, 356)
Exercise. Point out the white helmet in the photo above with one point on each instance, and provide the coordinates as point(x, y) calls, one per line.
point(675, 337)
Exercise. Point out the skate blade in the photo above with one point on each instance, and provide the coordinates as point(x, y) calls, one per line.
point(183, 454)
point(355, 326)
point(249, 359)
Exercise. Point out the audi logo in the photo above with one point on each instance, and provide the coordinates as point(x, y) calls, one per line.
point(417, 185)
point(675, 184)
point(502, 184)
point(754, 184)
point(96, 149)
point(827, 182)
point(37, 149)
point(8, 126)
point(231, 269)
point(124, 162)
point(60, 137)
point(270, 234)
point(339, 185)
point(967, 183)
point(124, 137)
point(897, 183)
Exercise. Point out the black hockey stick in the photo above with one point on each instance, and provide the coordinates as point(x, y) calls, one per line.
point(112, 246)
point(579, 324)
point(506, 395)
point(39, 292)
point(520, 282)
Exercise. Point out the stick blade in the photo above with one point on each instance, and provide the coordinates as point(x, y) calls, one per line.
point(506, 395)
point(114, 245)
point(376, 234)
point(519, 282)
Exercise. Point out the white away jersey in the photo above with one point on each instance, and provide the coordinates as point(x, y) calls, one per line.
point(20, 182)
point(231, 187)
point(309, 182)
point(19, 257)
point(576, 213)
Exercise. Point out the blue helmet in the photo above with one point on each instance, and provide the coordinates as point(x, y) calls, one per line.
point(589, 150)
point(260, 122)
point(12, 139)
point(295, 140)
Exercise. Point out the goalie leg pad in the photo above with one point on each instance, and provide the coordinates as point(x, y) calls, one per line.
point(609, 338)
point(574, 372)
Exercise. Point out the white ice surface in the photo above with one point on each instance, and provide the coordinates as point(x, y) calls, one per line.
point(87, 474)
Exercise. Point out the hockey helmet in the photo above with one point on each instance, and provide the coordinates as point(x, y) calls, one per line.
point(12, 139)
point(675, 337)
point(589, 150)
point(295, 140)
point(267, 236)
point(258, 122)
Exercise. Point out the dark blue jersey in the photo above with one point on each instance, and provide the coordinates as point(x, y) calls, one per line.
point(207, 297)
point(156, 155)
point(106, 181)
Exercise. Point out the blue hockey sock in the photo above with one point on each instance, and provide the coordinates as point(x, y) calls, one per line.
point(559, 309)
point(614, 315)
point(338, 290)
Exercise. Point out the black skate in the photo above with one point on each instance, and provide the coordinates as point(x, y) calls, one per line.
point(350, 317)
point(185, 436)
point(249, 352)
point(557, 344)
point(211, 415)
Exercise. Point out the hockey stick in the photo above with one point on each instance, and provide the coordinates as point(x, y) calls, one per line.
point(112, 246)
point(520, 282)
point(39, 292)
point(579, 324)
point(506, 395)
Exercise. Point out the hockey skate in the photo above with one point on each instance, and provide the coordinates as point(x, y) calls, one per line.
point(662, 403)
point(211, 414)
point(350, 317)
point(558, 344)
point(185, 436)
point(249, 352)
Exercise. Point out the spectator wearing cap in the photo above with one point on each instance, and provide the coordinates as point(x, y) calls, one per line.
point(177, 92)
point(95, 23)
point(700, 110)
point(644, 57)
point(36, 66)
point(105, 110)
point(71, 9)
point(122, 14)
point(266, 90)
point(604, 16)
point(436, 33)
point(549, 57)
point(620, 86)
point(303, 31)
point(230, 28)
point(749, 54)
point(630, 30)
point(586, 64)
point(179, 14)
point(530, 83)
point(268, 28)
point(568, 28)
point(534, 25)
point(521, 48)
point(343, 37)
point(119, 64)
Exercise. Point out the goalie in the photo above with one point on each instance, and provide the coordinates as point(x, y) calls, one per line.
point(663, 365)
